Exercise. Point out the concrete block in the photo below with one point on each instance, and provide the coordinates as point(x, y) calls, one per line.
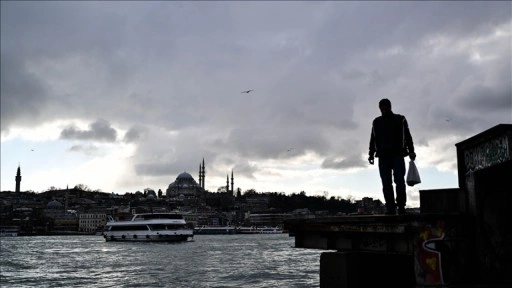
point(366, 269)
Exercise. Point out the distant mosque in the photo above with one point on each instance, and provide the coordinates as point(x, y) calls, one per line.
point(187, 186)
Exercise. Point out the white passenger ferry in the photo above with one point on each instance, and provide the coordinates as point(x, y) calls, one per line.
point(149, 227)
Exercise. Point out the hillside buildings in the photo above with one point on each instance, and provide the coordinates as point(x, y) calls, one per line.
point(74, 210)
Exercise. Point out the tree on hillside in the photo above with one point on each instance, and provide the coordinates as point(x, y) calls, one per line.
point(148, 190)
point(250, 192)
point(82, 187)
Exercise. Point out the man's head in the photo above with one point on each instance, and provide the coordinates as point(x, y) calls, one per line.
point(385, 106)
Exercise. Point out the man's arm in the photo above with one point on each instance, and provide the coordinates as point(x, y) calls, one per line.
point(371, 149)
point(408, 140)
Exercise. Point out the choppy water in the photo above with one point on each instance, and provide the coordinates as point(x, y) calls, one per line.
point(207, 261)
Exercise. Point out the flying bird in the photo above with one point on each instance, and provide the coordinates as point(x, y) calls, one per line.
point(290, 149)
point(247, 91)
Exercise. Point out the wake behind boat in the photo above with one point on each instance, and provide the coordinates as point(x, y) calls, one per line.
point(149, 227)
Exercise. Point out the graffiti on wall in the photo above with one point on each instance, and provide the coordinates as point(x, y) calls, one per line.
point(430, 248)
point(487, 154)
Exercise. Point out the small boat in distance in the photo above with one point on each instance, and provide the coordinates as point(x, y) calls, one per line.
point(214, 230)
point(149, 227)
point(9, 231)
point(269, 230)
point(246, 230)
point(258, 230)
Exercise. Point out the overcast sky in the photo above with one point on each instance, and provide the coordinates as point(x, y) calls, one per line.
point(123, 96)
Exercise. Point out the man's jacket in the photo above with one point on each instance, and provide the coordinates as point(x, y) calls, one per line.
point(390, 136)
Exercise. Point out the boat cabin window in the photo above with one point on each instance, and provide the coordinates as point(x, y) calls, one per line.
point(158, 216)
point(155, 227)
point(129, 227)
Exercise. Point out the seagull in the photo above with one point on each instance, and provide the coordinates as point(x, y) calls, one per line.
point(290, 149)
point(247, 91)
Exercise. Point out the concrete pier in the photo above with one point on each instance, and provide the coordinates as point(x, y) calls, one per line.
point(423, 249)
point(366, 269)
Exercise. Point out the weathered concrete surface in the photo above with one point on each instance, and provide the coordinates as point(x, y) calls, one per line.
point(435, 245)
point(365, 269)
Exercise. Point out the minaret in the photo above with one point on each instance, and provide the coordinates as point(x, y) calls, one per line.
point(204, 175)
point(66, 202)
point(18, 179)
point(232, 182)
point(200, 176)
point(227, 183)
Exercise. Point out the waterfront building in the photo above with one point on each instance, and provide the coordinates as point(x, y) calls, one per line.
point(270, 219)
point(257, 203)
point(62, 220)
point(89, 222)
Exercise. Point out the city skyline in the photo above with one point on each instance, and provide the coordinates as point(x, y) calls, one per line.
point(123, 96)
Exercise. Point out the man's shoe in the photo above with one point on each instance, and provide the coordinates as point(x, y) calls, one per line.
point(401, 211)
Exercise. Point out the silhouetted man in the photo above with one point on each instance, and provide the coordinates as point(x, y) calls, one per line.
point(391, 141)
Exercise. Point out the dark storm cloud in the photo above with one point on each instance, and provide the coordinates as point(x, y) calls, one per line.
point(347, 163)
point(44, 36)
point(271, 141)
point(353, 73)
point(100, 130)
point(134, 134)
point(88, 149)
point(485, 99)
point(245, 169)
point(155, 169)
point(317, 69)
point(357, 26)
point(23, 95)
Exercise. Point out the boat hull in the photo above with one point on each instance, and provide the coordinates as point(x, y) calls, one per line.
point(169, 236)
point(149, 227)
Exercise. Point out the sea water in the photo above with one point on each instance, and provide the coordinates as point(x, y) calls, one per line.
point(256, 260)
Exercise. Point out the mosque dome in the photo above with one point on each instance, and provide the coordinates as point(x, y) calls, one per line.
point(185, 179)
point(184, 184)
point(151, 194)
point(184, 176)
point(54, 204)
